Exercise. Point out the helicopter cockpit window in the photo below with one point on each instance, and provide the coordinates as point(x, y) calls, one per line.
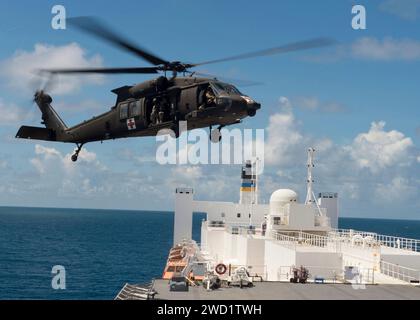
point(135, 108)
point(123, 111)
point(221, 88)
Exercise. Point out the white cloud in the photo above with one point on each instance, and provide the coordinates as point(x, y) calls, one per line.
point(51, 161)
point(310, 103)
point(84, 105)
point(397, 190)
point(3, 164)
point(314, 104)
point(376, 161)
point(283, 135)
point(187, 173)
point(324, 145)
point(11, 114)
point(285, 103)
point(371, 49)
point(20, 70)
point(89, 183)
point(48, 153)
point(378, 149)
point(209, 182)
point(284, 142)
point(351, 190)
point(405, 9)
point(386, 50)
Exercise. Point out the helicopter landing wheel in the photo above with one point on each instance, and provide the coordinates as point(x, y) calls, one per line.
point(75, 156)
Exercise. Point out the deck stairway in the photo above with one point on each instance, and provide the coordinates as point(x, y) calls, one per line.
point(136, 292)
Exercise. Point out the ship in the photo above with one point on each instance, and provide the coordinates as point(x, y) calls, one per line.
point(285, 249)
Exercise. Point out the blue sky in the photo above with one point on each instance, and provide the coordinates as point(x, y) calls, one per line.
point(325, 97)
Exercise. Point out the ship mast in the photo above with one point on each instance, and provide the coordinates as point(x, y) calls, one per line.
point(309, 181)
point(310, 195)
point(254, 175)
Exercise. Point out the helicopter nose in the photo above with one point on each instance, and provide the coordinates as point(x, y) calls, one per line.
point(252, 109)
point(251, 103)
point(252, 106)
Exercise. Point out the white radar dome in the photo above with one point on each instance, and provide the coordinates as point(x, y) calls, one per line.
point(280, 198)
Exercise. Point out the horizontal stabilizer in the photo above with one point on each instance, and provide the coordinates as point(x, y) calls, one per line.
point(36, 133)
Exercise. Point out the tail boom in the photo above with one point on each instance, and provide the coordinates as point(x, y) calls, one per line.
point(55, 127)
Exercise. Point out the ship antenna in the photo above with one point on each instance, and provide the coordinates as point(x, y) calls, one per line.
point(310, 195)
point(310, 180)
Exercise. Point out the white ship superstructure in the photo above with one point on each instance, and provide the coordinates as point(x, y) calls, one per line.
point(274, 241)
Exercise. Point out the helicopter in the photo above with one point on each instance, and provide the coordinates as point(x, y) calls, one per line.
point(146, 108)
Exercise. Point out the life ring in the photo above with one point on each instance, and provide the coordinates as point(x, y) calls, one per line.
point(220, 269)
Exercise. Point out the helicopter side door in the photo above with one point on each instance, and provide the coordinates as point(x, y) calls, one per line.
point(189, 100)
point(173, 97)
point(165, 105)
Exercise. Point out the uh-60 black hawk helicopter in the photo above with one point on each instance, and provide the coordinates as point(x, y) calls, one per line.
point(146, 108)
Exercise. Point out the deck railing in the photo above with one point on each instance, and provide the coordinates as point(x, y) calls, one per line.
point(399, 272)
point(336, 236)
point(301, 238)
point(377, 239)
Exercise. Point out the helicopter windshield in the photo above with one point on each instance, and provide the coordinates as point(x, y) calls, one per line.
point(221, 88)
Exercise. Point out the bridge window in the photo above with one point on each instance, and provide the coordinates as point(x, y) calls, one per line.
point(123, 111)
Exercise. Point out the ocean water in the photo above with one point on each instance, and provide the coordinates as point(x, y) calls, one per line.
point(103, 249)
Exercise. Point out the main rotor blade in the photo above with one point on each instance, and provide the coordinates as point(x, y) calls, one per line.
point(103, 70)
point(98, 29)
point(296, 46)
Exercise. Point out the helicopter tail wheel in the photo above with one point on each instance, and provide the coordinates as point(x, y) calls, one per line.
point(75, 156)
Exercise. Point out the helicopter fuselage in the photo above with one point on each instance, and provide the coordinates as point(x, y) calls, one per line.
point(174, 100)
